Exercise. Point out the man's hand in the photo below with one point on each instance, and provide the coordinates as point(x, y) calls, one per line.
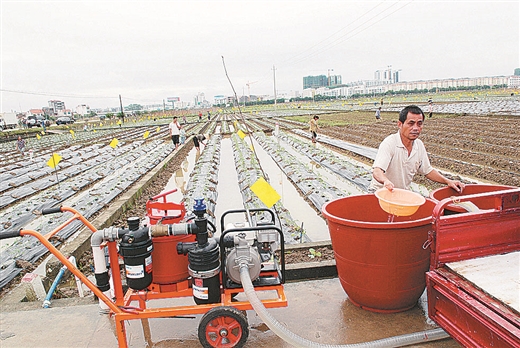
point(456, 185)
point(389, 185)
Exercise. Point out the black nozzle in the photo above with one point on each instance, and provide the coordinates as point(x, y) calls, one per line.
point(133, 223)
point(184, 248)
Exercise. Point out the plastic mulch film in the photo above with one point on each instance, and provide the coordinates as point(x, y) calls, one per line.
point(122, 168)
point(312, 187)
point(356, 174)
point(204, 178)
point(249, 171)
point(364, 151)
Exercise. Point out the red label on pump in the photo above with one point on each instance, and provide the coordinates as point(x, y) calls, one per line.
point(198, 282)
point(148, 264)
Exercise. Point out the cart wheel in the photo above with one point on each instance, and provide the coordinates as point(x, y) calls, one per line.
point(223, 327)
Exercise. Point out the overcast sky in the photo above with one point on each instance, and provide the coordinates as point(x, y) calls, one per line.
point(89, 52)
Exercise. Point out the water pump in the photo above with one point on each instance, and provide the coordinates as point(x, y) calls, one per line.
point(203, 259)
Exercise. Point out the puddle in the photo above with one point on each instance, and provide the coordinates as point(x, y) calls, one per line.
point(229, 194)
point(314, 225)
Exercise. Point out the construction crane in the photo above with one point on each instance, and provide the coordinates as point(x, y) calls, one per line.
point(248, 84)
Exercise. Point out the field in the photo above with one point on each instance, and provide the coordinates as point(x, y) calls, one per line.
point(474, 146)
point(483, 148)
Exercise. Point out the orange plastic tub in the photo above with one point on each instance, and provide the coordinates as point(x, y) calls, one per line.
point(471, 189)
point(381, 265)
point(169, 267)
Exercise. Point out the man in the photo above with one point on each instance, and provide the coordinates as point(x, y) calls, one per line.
point(198, 139)
point(430, 109)
point(402, 155)
point(378, 113)
point(313, 128)
point(20, 145)
point(175, 131)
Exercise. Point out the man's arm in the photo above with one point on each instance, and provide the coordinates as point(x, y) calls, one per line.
point(434, 175)
point(379, 175)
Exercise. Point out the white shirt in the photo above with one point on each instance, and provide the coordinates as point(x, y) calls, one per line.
point(174, 128)
point(392, 157)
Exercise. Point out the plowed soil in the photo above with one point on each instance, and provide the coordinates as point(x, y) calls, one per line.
point(478, 147)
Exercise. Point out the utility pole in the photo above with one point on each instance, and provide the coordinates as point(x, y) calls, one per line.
point(122, 111)
point(274, 82)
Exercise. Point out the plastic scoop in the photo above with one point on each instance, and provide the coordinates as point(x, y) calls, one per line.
point(399, 202)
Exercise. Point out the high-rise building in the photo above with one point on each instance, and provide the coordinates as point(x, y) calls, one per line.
point(517, 72)
point(388, 75)
point(334, 80)
point(199, 99)
point(315, 81)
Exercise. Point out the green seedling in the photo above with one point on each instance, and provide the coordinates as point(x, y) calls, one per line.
point(314, 253)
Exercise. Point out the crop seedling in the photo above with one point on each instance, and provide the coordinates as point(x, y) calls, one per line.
point(313, 253)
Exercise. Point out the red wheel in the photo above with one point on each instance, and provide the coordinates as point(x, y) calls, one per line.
point(223, 327)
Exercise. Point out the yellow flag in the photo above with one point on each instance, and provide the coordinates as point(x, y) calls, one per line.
point(72, 133)
point(146, 134)
point(265, 192)
point(158, 129)
point(119, 122)
point(100, 124)
point(55, 159)
point(38, 136)
point(241, 134)
point(43, 133)
point(114, 143)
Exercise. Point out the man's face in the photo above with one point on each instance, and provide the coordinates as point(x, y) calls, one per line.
point(412, 127)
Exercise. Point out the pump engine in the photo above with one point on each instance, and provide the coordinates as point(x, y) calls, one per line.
point(213, 265)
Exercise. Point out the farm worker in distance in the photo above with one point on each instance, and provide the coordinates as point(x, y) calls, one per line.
point(378, 113)
point(199, 138)
point(402, 155)
point(430, 109)
point(175, 131)
point(20, 145)
point(314, 127)
point(182, 135)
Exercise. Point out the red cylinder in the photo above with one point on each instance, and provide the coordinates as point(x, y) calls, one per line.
point(168, 266)
point(381, 265)
point(470, 189)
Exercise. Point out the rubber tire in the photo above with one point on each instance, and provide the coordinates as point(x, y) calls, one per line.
point(228, 318)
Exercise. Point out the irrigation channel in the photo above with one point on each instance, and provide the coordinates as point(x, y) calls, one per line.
point(93, 172)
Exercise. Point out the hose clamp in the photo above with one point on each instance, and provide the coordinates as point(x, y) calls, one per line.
point(204, 274)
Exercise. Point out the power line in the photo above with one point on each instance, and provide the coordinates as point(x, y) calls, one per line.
point(314, 50)
point(335, 33)
point(348, 35)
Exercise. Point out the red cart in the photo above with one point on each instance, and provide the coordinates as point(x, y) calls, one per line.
point(474, 279)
